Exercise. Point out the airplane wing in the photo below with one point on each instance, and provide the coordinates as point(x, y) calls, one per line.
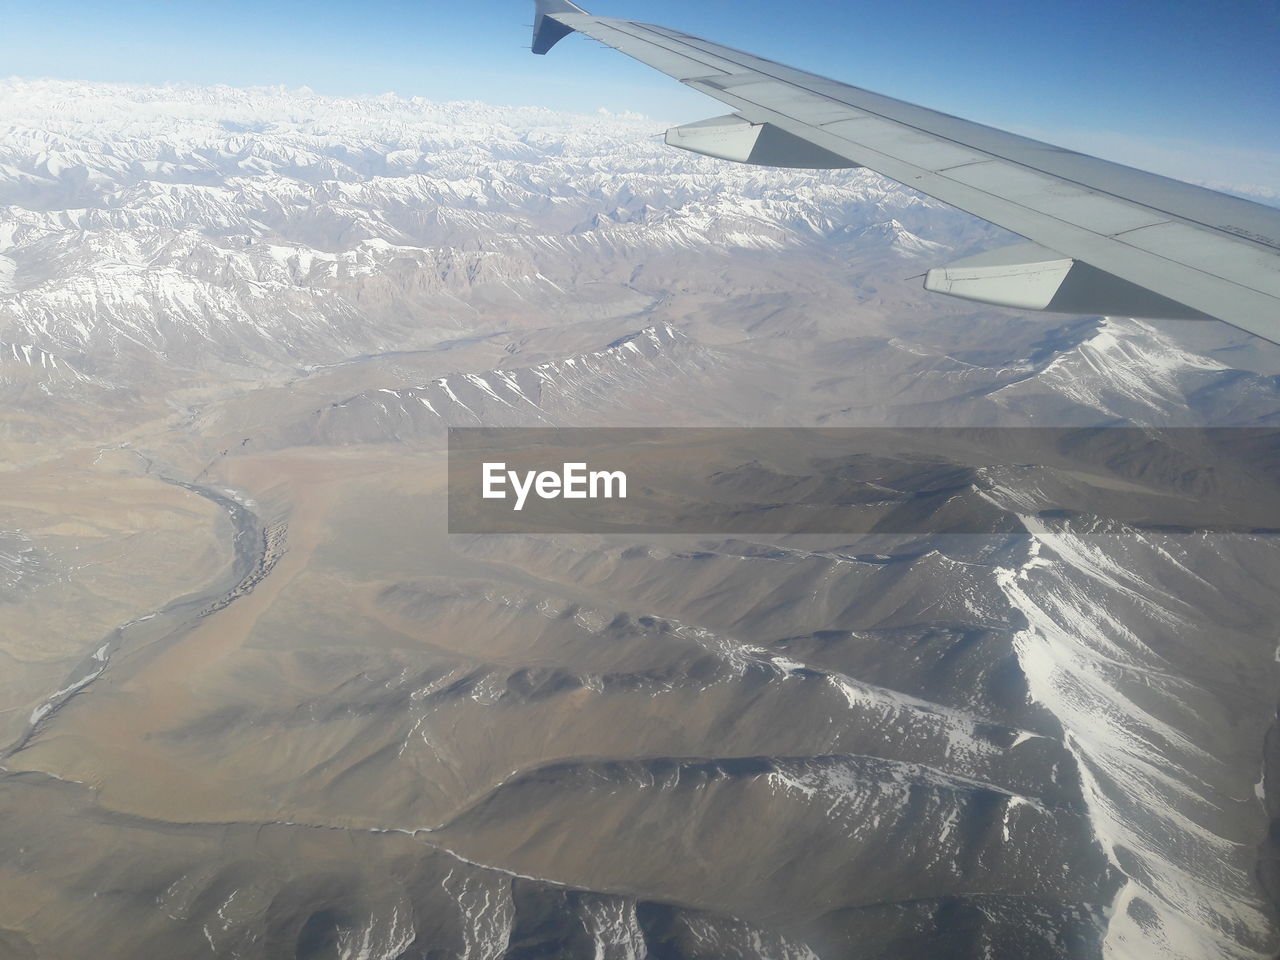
point(1105, 239)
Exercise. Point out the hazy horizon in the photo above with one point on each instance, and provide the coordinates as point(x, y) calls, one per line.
point(1185, 90)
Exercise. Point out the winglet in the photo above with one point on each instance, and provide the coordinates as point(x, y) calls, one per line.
point(547, 30)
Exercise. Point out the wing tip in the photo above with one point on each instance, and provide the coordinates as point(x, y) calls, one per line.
point(547, 30)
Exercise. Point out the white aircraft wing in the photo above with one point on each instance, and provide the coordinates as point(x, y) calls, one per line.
point(1106, 239)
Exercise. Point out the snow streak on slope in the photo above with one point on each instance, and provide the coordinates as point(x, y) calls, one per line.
point(655, 362)
point(1129, 368)
point(20, 564)
point(28, 369)
point(1166, 807)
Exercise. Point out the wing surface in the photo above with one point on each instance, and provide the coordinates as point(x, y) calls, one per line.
point(1107, 238)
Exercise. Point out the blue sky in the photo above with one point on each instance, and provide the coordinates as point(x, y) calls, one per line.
point(1188, 89)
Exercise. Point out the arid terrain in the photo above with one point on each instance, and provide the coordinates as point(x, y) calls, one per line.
point(257, 702)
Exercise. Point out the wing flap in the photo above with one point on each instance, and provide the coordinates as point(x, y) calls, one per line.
point(928, 153)
point(1231, 259)
point(1100, 213)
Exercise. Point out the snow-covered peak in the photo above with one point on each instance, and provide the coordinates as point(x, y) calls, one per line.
point(891, 235)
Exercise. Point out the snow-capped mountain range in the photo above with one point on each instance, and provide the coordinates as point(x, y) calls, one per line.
point(250, 230)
